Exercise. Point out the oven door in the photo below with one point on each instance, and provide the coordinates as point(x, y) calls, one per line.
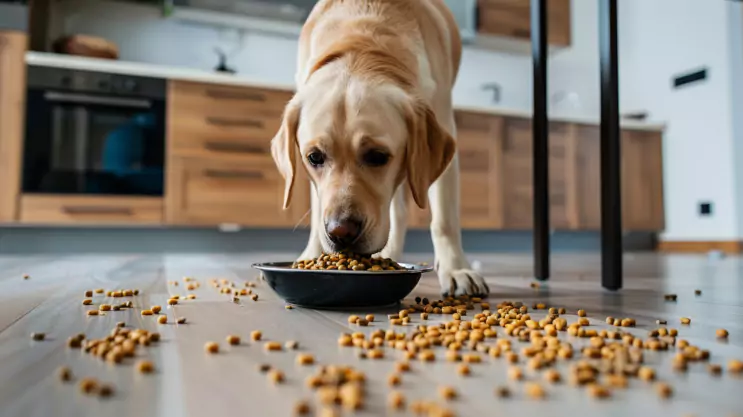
point(79, 143)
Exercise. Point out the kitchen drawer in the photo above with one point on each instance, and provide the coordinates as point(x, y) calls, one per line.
point(205, 191)
point(196, 98)
point(206, 135)
point(97, 210)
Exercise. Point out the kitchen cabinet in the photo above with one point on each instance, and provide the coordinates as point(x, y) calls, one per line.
point(13, 46)
point(220, 168)
point(511, 18)
point(496, 174)
point(90, 210)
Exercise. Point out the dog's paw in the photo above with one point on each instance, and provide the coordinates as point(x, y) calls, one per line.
point(462, 281)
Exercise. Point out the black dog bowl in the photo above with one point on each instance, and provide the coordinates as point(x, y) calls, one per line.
point(335, 289)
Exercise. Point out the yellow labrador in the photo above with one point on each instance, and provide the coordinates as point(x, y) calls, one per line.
point(373, 112)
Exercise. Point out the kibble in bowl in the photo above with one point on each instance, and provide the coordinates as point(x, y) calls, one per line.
point(342, 280)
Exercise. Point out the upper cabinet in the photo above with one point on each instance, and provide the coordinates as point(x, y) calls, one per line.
point(512, 19)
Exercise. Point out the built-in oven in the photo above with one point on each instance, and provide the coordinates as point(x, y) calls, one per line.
point(94, 133)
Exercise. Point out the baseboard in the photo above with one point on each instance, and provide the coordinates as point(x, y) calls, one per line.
point(701, 246)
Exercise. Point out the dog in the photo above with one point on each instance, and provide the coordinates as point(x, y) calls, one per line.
point(371, 118)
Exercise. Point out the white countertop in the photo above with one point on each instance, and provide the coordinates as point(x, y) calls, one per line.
point(189, 74)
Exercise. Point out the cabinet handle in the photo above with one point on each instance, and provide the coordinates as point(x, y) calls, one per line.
point(233, 147)
point(235, 95)
point(123, 211)
point(214, 173)
point(218, 121)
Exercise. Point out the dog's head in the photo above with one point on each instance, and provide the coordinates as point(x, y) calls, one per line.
point(359, 141)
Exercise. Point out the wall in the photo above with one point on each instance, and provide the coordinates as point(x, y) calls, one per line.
point(661, 38)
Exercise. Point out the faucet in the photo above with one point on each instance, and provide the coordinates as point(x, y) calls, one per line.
point(496, 90)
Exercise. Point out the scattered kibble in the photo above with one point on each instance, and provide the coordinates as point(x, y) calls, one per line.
point(305, 359)
point(38, 336)
point(92, 312)
point(714, 369)
point(146, 312)
point(663, 389)
point(64, 373)
point(269, 346)
point(685, 320)
point(721, 333)
point(145, 367)
point(276, 376)
point(394, 380)
point(396, 400)
point(88, 386)
point(534, 390)
point(233, 339)
point(447, 393)
point(370, 318)
point(598, 391)
point(301, 408)
point(463, 370)
point(162, 319)
point(502, 392)
point(172, 301)
point(697, 292)
point(256, 335)
point(670, 297)
point(291, 345)
point(212, 347)
point(735, 366)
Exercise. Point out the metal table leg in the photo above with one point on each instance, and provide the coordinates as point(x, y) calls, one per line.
point(540, 141)
point(611, 199)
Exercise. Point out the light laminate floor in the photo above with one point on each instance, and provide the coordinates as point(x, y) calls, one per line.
point(189, 382)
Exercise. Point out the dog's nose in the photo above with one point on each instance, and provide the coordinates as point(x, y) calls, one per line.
point(343, 232)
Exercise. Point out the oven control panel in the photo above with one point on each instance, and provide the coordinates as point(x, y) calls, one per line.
point(96, 82)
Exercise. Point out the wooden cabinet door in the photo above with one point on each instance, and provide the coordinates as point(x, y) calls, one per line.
point(518, 196)
point(511, 18)
point(12, 102)
point(480, 164)
point(642, 179)
point(211, 192)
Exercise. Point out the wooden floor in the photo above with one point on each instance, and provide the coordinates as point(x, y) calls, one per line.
point(188, 382)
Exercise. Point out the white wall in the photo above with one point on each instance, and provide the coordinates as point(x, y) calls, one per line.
point(661, 38)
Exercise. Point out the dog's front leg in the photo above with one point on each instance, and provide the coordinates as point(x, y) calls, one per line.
point(455, 274)
point(314, 247)
point(398, 225)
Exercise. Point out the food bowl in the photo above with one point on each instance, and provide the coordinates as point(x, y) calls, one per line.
point(338, 289)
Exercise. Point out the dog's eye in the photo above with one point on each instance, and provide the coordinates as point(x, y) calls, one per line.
point(316, 158)
point(376, 158)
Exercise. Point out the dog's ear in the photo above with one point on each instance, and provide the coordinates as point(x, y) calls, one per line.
point(429, 150)
point(284, 148)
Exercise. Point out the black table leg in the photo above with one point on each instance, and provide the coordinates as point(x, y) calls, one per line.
point(540, 141)
point(611, 198)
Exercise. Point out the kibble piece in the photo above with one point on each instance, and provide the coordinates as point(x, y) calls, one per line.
point(256, 335)
point(64, 373)
point(402, 367)
point(502, 392)
point(269, 346)
point(156, 309)
point(735, 366)
point(353, 319)
point(515, 373)
point(162, 319)
point(345, 340)
point(88, 385)
point(212, 347)
point(670, 297)
point(362, 322)
point(394, 380)
point(276, 376)
point(105, 390)
point(584, 321)
point(581, 313)
point(697, 292)
point(617, 380)
point(234, 340)
point(38, 336)
point(645, 373)
point(92, 312)
point(552, 376)
point(375, 354)
point(181, 320)
point(87, 302)
point(427, 356)
point(609, 320)
point(463, 369)
point(598, 391)
point(424, 316)
point(291, 345)
point(448, 393)
point(685, 320)
point(534, 390)
point(396, 400)
point(145, 367)
point(146, 312)
point(721, 334)
point(370, 318)
point(305, 359)
point(714, 369)
point(664, 390)
point(172, 301)
point(254, 297)
point(301, 408)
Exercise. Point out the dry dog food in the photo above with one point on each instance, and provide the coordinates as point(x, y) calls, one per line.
point(145, 367)
point(211, 347)
point(233, 339)
point(348, 261)
point(64, 373)
point(38, 336)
